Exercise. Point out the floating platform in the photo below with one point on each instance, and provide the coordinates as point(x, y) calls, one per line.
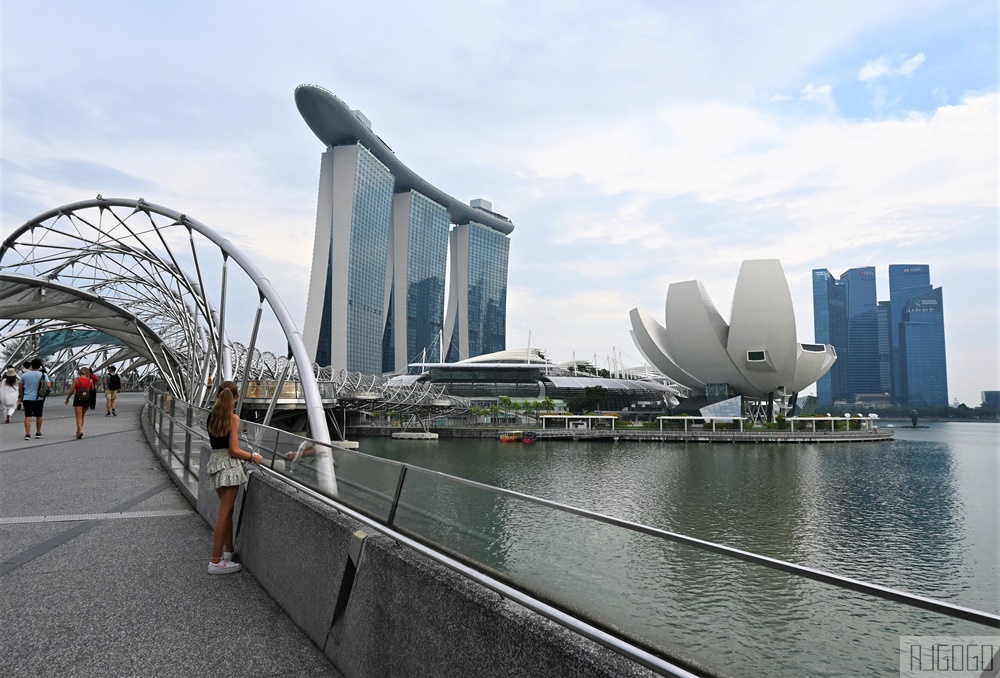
point(346, 444)
point(754, 437)
point(414, 435)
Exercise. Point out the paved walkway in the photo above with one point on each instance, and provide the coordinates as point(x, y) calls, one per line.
point(103, 570)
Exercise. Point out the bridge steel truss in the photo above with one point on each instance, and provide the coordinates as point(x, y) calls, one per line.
point(141, 274)
point(130, 283)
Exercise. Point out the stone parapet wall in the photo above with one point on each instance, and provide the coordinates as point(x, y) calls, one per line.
point(391, 611)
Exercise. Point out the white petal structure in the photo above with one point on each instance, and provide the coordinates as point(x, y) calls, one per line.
point(756, 353)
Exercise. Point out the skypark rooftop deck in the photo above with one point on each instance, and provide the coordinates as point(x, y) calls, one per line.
point(336, 124)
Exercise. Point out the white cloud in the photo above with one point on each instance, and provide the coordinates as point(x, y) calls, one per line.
point(618, 139)
point(822, 94)
point(691, 191)
point(890, 66)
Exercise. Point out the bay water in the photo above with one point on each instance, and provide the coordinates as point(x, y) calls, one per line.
point(918, 513)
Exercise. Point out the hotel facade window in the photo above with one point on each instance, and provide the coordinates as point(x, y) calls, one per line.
point(419, 265)
point(477, 302)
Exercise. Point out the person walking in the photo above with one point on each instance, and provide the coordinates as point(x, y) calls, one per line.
point(80, 391)
point(112, 384)
point(225, 467)
point(8, 393)
point(94, 382)
point(32, 386)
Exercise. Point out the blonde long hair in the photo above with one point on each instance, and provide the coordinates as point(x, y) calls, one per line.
point(222, 420)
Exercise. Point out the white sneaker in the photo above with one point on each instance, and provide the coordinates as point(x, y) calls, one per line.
point(227, 556)
point(223, 567)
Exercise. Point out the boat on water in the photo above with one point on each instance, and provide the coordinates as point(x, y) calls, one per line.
point(511, 436)
point(529, 437)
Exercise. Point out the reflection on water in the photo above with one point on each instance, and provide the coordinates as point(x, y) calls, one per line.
point(918, 513)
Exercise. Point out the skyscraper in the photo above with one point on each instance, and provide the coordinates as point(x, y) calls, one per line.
point(894, 346)
point(905, 282)
point(845, 315)
point(477, 303)
point(922, 349)
point(420, 235)
point(830, 326)
point(862, 331)
point(884, 347)
point(377, 288)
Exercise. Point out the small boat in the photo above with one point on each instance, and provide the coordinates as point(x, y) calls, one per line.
point(511, 436)
point(529, 437)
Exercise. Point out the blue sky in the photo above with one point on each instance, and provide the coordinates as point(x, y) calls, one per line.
point(633, 144)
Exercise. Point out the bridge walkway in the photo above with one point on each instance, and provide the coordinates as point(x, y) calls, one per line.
point(103, 565)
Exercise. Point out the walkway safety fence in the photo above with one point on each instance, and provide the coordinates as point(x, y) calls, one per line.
point(663, 599)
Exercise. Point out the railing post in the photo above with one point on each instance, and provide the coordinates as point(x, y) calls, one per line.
point(159, 421)
point(188, 417)
point(170, 426)
point(395, 496)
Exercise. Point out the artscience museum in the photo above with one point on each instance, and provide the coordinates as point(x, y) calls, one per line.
point(753, 365)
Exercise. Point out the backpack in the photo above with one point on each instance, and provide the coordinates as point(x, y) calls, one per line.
point(114, 382)
point(83, 390)
point(43, 389)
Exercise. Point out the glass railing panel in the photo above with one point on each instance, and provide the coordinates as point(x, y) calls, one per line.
point(364, 483)
point(699, 608)
point(257, 390)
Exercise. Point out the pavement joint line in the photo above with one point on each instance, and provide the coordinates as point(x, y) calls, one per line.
point(74, 517)
point(49, 441)
point(30, 554)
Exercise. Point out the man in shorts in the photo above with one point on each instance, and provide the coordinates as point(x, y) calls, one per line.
point(28, 385)
point(112, 384)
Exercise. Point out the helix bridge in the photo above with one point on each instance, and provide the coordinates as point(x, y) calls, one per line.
point(171, 302)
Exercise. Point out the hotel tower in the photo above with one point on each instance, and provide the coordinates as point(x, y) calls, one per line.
point(385, 243)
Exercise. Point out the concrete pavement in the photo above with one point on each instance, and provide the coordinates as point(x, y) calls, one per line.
point(103, 565)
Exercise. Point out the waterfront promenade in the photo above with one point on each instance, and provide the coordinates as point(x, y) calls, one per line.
point(103, 565)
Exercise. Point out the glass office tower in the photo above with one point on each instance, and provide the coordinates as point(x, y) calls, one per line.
point(862, 332)
point(884, 344)
point(830, 326)
point(477, 302)
point(905, 282)
point(845, 314)
point(921, 342)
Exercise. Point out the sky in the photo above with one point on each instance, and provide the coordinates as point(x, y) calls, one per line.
point(633, 144)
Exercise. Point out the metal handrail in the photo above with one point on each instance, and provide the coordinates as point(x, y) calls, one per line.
point(886, 593)
point(941, 607)
point(636, 654)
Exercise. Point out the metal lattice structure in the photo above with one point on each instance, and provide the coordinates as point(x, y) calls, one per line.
point(161, 287)
point(152, 290)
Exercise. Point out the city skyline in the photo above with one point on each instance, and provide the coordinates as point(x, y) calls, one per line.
point(894, 346)
point(633, 145)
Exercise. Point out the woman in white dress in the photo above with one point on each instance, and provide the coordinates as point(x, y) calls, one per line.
point(8, 393)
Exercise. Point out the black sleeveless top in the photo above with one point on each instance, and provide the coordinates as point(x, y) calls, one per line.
point(216, 442)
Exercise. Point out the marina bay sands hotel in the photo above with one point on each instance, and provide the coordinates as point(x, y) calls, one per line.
point(384, 241)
